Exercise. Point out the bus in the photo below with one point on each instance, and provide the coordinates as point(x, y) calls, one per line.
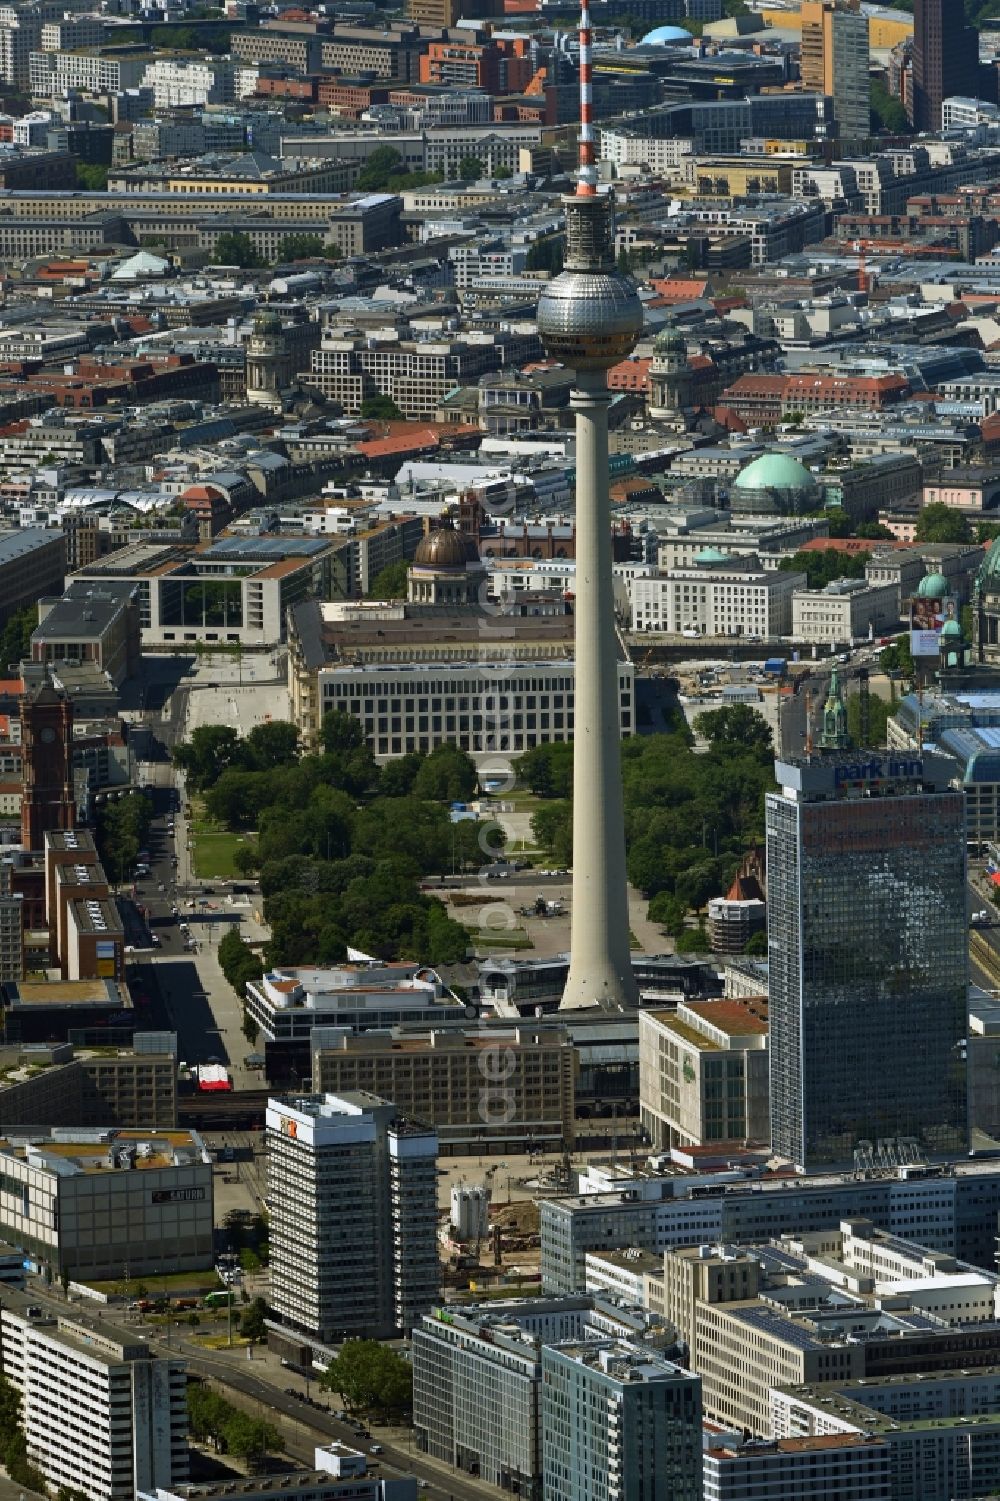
point(219, 1299)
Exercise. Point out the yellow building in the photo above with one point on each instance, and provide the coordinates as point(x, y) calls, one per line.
point(884, 31)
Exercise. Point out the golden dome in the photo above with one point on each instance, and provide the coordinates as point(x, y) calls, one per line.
point(446, 548)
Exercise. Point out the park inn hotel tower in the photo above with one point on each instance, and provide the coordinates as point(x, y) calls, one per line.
point(868, 956)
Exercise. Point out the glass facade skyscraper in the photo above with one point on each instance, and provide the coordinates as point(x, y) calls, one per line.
point(868, 956)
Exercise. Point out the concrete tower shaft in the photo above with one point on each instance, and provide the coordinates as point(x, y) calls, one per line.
point(590, 317)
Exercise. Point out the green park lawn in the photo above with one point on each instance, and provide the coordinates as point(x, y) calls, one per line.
point(213, 846)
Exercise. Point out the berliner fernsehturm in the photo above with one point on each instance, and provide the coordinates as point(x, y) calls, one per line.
point(590, 317)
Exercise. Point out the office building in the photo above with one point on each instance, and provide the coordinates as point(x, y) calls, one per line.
point(835, 62)
point(940, 1427)
point(849, 1466)
point(845, 610)
point(103, 1203)
point(868, 955)
point(32, 563)
point(477, 1379)
point(91, 622)
point(717, 596)
point(439, 1077)
point(286, 1004)
point(703, 1073)
point(618, 1421)
point(234, 589)
point(338, 1474)
point(945, 59)
point(353, 1198)
point(444, 667)
point(54, 1084)
point(102, 1415)
point(951, 1210)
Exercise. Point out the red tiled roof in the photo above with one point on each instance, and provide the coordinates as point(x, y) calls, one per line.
point(678, 289)
point(629, 375)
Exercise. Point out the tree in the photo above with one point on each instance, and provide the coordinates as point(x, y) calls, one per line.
point(339, 731)
point(693, 941)
point(546, 255)
point(383, 164)
point(381, 409)
point(211, 750)
point(272, 744)
point(92, 177)
point(303, 248)
point(447, 775)
point(252, 1319)
point(548, 769)
point(825, 565)
point(757, 945)
point(234, 248)
point(737, 724)
point(939, 523)
point(470, 169)
point(15, 639)
point(888, 113)
point(896, 657)
point(879, 711)
point(391, 581)
point(122, 829)
point(370, 1377)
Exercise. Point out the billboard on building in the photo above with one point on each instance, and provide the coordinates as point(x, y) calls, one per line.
point(927, 617)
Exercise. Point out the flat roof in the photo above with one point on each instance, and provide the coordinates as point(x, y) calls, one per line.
point(39, 993)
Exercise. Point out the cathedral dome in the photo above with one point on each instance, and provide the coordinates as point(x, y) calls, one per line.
point(775, 471)
point(446, 548)
point(932, 586)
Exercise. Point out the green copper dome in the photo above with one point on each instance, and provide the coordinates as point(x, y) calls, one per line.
point(951, 630)
point(932, 586)
point(710, 557)
point(775, 471)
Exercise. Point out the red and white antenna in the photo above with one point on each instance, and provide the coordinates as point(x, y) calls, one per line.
point(586, 186)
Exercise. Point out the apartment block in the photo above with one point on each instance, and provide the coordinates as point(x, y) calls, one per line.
point(353, 1197)
point(102, 1415)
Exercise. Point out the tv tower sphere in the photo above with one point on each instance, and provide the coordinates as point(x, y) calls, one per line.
point(589, 318)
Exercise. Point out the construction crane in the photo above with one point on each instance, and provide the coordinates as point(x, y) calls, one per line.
point(895, 247)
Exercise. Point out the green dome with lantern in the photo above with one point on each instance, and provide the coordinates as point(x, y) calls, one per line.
point(932, 586)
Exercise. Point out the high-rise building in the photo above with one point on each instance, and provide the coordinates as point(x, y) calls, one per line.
point(102, 1415)
point(867, 956)
point(945, 59)
point(353, 1198)
point(618, 1421)
point(835, 62)
point(589, 318)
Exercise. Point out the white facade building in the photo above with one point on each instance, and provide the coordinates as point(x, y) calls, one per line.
point(179, 82)
point(845, 610)
point(101, 1414)
point(353, 1199)
point(484, 707)
point(717, 600)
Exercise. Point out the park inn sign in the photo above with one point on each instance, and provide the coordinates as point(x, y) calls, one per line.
point(879, 769)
